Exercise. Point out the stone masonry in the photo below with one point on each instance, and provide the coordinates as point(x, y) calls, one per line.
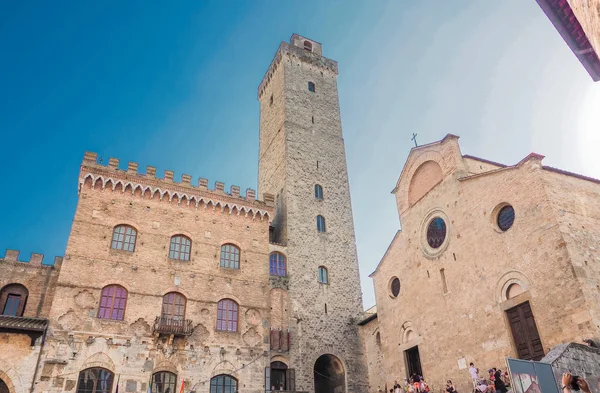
point(455, 299)
point(19, 356)
point(301, 145)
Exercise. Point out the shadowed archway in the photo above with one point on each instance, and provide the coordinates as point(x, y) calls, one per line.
point(329, 374)
point(3, 387)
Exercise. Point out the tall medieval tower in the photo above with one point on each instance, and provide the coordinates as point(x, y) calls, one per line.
point(302, 161)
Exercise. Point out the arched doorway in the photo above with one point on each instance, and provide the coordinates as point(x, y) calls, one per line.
point(3, 387)
point(330, 376)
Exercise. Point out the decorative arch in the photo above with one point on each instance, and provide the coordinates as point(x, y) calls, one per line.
point(99, 359)
point(280, 358)
point(165, 365)
point(408, 332)
point(508, 279)
point(10, 377)
point(426, 176)
point(223, 367)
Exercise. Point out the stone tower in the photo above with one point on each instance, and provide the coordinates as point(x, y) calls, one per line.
point(302, 150)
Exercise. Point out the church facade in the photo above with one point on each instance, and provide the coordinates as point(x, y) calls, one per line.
point(491, 261)
point(170, 285)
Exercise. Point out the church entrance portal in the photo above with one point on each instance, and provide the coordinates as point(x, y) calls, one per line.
point(330, 376)
point(3, 387)
point(525, 333)
point(413, 361)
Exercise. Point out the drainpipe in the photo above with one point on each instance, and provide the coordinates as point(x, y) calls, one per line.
point(37, 363)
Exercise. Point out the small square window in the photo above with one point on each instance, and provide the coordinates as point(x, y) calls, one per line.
point(311, 87)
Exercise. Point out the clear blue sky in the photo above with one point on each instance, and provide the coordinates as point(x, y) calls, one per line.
point(174, 86)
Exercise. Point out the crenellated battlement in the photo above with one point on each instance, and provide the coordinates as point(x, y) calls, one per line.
point(288, 49)
point(34, 260)
point(148, 186)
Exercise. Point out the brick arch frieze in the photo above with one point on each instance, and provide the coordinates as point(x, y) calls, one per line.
point(167, 195)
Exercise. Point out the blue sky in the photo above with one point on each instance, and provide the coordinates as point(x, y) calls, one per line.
point(174, 86)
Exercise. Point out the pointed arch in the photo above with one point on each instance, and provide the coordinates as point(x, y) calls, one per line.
point(118, 186)
point(109, 184)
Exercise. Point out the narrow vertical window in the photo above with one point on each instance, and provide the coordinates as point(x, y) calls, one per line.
point(124, 237)
point(112, 303)
point(444, 284)
point(277, 264)
point(230, 256)
point(271, 100)
point(227, 315)
point(318, 192)
point(311, 87)
point(312, 119)
point(322, 275)
point(180, 248)
point(320, 223)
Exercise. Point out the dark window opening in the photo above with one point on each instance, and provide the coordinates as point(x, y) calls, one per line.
point(13, 298)
point(318, 192)
point(308, 46)
point(395, 287)
point(223, 384)
point(95, 380)
point(506, 218)
point(311, 87)
point(436, 232)
point(313, 119)
point(164, 382)
point(271, 100)
point(444, 284)
point(320, 223)
point(329, 375)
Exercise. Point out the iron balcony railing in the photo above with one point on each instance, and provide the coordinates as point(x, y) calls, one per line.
point(176, 326)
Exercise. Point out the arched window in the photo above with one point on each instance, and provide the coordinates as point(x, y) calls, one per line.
point(13, 298)
point(223, 384)
point(318, 192)
point(308, 46)
point(278, 380)
point(230, 256)
point(320, 223)
point(323, 277)
point(123, 238)
point(112, 302)
point(311, 87)
point(180, 248)
point(95, 380)
point(173, 306)
point(277, 264)
point(164, 382)
point(227, 315)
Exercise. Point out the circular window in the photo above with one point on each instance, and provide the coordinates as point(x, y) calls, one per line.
point(395, 287)
point(436, 232)
point(506, 217)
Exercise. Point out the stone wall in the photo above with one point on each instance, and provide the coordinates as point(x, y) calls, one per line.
point(209, 218)
point(577, 359)
point(18, 357)
point(371, 338)
point(453, 300)
point(301, 144)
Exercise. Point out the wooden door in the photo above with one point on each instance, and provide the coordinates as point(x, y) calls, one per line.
point(525, 333)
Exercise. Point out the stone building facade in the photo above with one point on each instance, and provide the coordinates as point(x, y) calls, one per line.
point(26, 294)
point(578, 23)
point(302, 162)
point(167, 283)
point(492, 261)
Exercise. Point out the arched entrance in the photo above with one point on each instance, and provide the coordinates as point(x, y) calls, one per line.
point(330, 376)
point(3, 387)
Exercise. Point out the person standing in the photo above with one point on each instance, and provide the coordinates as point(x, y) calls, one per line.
point(498, 383)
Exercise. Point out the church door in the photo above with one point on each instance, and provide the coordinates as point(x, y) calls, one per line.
point(413, 361)
point(525, 333)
